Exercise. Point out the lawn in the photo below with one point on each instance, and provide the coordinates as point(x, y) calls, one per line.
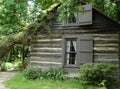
point(20, 82)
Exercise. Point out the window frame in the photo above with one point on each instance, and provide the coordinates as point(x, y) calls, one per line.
point(65, 38)
point(66, 23)
point(68, 62)
point(78, 22)
point(81, 52)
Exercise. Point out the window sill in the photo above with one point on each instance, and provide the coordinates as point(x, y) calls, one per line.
point(70, 24)
point(71, 66)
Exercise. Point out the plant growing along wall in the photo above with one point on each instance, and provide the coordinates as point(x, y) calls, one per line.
point(97, 73)
point(36, 73)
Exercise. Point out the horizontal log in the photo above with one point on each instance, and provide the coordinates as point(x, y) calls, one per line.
point(105, 35)
point(49, 59)
point(110, 59)
point(107, 61)
point(42, 41)
point(105, 56)
point(44, 54)
point(51, 36)
point(106, 41)
point(112, 54)
point(46, 64)
point(52, 45)
point(47, 49)
point(105, 50)
point(116, 45)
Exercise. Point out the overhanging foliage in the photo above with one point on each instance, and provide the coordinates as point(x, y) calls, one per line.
point(21, 36)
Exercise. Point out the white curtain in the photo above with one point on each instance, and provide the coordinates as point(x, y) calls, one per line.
point(68, 50)
point(68, 46)
point(68, 56)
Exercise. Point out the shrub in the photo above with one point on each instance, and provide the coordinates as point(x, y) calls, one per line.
point(55, 74)
point(52, 73)
point(3, 67)
point(6, 66)
point(18, 65)
point(32, 72)
point(97, 73)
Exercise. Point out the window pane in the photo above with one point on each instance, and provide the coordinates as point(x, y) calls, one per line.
point(74, 45)
point(71, 46)
point(71, 51)
point(72, 58)
point(68, 43)
point(68, 46)
point(71, 18)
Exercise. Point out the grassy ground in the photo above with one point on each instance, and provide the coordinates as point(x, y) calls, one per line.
point(19, 82)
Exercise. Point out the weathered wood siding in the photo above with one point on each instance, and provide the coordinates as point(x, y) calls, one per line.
point(46, 51)
point(103, 23)
point(106, 48)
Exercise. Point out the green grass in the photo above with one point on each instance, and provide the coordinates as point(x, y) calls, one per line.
point(19, 82)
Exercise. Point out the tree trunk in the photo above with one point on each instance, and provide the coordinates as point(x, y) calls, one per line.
point(23, 57)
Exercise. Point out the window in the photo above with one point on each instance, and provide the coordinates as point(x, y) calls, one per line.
point(71, 19)
point(77, 50)
point(84, 17)
point(71, 50)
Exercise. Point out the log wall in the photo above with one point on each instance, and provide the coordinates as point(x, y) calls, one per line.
point(106, 48)
point(47, 50)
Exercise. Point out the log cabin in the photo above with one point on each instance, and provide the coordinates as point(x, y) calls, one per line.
point(86, 36)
